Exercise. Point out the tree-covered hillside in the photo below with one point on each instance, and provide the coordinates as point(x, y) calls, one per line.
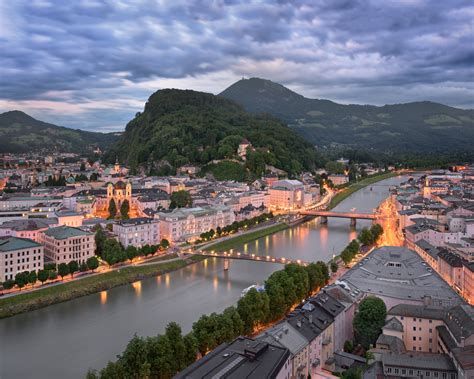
point(412, 127)
point(181, 126)
point(21, 133)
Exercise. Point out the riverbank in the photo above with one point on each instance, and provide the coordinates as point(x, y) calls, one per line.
point(247, 237)
point(346, 192)
point(56, 294)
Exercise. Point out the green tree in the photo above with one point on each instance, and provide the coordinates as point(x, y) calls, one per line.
point(100, 239)
point(21, 279)
point(92, 263)
point(83, 267)
point(376, 231)
point(160, 356)
point(191, 348)
point(113, 370)
point(63, 270)
point(300, 278)
point(32, 278)
point(43, 276)
point(8, 284)
point(112, 209)
point(334, 167)
point(134, 357)
point(276, 296)
point(204, 331)
point(366, 237)
point(180, 199)
point(178, 348)
point(125, 209)
point(334, 266)
point(348, 346)
point(73, 267)
point(369, 320)
point(164, 243)
point(131, 252)
point(352, 373)
point(253, 309)
point(53, 275)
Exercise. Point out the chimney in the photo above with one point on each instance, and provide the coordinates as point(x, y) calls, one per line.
point(310, 318)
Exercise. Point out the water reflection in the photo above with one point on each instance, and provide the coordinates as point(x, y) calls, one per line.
point(103, 297)
point(137, 286)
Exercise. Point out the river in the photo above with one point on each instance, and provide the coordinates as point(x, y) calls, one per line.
point(64, 340)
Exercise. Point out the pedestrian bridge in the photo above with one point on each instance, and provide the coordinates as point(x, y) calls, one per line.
point(353, 216)
point(226, 255)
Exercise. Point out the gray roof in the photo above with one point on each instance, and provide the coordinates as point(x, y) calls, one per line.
point(418, 311)
point(242, 358)
point(393, 324)
point(464, 356)
point(137, 221)
point(460, 321)
point(64, 232)
point(395, 344)
point(285, 335)
point(423, 361)
point(429, 248)
point(411, 280)
point(29, 224)
point(14, 243)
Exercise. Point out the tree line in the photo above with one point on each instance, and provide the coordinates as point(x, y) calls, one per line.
point(165, 355)
point(365, 237)
point(111, 251)
point(51, 271)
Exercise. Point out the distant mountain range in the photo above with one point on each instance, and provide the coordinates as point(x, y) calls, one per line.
point(21, 133)
point(411, 127)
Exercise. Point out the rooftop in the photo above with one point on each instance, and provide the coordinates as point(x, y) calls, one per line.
point(64, 232)
point(428, 361)
point(14, 243)
point(399, 273)
point(418, 311)
point(242, 358)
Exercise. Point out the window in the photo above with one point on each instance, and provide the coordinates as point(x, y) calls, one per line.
point(430, 321)
point(414, 328)
point(431, 330)
point(414, 338)
point(431, 340)
point(414, 320)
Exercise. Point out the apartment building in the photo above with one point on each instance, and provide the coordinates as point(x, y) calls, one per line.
point(138, 231)
point(64, 244)
point(18, 255)
point(286, 195)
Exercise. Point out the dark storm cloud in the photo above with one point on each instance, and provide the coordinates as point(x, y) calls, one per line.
point(99, 60)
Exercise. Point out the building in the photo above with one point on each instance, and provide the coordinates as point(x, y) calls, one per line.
point(138, 231)
point(69, 218)
point(242, 149)
point(242, 358)
point(399, 276)
point(338, 179)
point(64, 244)
point(188, 223)
point(28, 228)
point(286, 195)
point(18, 255)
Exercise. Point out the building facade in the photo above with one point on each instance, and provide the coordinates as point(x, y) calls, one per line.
point(138, 231)
point(18, 255)
point(64, 244)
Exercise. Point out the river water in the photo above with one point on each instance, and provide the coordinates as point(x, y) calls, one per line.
point(64, 340)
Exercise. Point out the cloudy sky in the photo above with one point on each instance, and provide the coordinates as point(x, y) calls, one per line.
point(92, 64)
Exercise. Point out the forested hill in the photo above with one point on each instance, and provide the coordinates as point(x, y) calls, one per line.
point(182, 126)
point(21, 133)
point(412, 127)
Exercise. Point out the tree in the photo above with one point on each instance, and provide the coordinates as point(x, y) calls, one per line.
point(191, 348)
point(92, 263)
point(125, 209)
point(32, 278)
point(369, 320)
point(334, 167)
point(334, 267)
point(83, 267)
point(300, 278)
point(21, 279)
point(113, 370)
point(164, 243)
point(100, 239)
point(112, 209)
point(8, 284)
point(83, 167)
point(131, 252)
point(276, 296)
point(348, 346)
point(160, 357)
point(43, 276)
point(134, 357)
point(180, 199)
point(73, 267)
point(366, 237)
point(253, 309)
point(178, 349)
point(352, 373)
point(63, 270)
point(53, 275)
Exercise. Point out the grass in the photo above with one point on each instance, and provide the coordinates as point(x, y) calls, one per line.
point(163, 258)
point(238, 240)
point(55, 294)
point(345, 193)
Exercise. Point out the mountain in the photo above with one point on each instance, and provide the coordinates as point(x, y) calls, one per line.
point(182, 126)
point(412, 127)
point(20, 133)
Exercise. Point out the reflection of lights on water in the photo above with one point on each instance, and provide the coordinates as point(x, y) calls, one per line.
point(352, 234)
point(246, 246)
point(103, 297)
point(215, 283)
point(167, 280)
point(229, 285)
point(267, 243)
point(137, 286)
point(158, 280)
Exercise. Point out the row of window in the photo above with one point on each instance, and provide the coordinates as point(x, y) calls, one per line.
point(420, 373)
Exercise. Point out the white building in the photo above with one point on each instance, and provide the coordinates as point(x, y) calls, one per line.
point(18, 255)
point(188, 223)
point(338, 179)
point(138, 231)
point(64, 244)
point(69, 218)
point(286, 194)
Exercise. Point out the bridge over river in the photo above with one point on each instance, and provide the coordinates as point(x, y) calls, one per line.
point(353, 216)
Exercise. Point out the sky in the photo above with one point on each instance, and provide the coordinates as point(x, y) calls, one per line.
point(92, 64)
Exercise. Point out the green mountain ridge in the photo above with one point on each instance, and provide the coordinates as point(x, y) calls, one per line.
point(411, 127)
point(178, 127)
point(21, 133)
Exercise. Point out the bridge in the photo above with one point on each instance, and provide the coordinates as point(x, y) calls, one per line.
point(246, 256)
point(353, 216)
